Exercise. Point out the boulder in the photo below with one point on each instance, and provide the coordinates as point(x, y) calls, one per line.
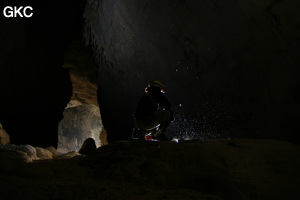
point(4, 137)
point(29, 150)
point(42, 153)
point(19, 153)
point(53, 150)
point(11, 159)
point(88, 146)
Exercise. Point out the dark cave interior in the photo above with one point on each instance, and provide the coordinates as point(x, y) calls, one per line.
point(231, 69)
point(246, 72)
point(34, 86)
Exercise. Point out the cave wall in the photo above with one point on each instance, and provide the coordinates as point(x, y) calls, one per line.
point(235, 63)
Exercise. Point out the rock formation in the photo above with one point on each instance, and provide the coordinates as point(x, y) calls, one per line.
point(18, 153)
point(11, 159)
point(24, 153)
point(4, 137)
point(52, 150)
point(42, 153)
point(228, 66)
point(88, 146)
point(103, 137)
point(82, 117)
point(68, 155)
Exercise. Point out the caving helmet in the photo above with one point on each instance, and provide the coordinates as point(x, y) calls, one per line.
point(156, 83)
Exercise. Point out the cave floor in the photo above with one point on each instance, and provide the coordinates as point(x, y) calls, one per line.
point(223, 169)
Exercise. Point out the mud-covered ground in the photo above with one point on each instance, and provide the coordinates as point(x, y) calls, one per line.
point(223, 169)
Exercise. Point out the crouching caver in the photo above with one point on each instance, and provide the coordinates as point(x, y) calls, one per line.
point(153, 113)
